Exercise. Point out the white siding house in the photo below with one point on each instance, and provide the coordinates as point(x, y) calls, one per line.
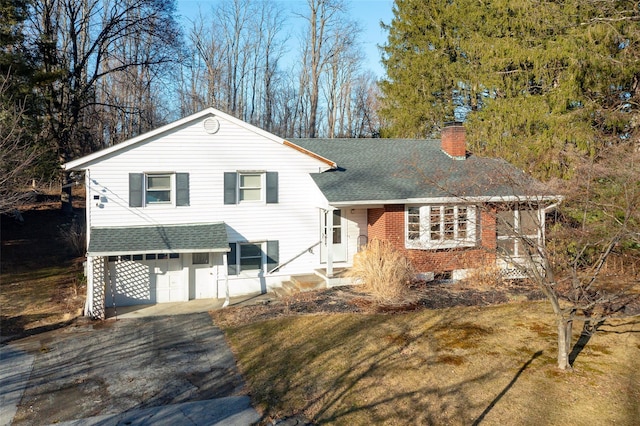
point(212, 207)
point(209, 168)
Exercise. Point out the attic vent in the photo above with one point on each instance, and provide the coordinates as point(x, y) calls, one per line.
point(211, 125)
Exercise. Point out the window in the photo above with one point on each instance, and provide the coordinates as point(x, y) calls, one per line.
point(440, 226)
point(158, 189)
point(336, 234)
point(240, 187)
point(515, 228)
point(252, 257)
point(200, 258)
point(133, 257)
point(250, 188)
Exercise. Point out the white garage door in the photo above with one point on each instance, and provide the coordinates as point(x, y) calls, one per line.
point(146, 279)
point(169, 283)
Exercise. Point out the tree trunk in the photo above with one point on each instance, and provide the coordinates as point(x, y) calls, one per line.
point(65, 195)
point(564, 342)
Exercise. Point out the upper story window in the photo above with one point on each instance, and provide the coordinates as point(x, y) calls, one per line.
point(146, 189)
point(250, 186)
point(440, 226)
point(158, 188)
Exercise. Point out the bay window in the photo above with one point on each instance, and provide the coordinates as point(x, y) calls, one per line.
point(440, 226)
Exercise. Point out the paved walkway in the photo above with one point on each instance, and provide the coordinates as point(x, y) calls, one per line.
point(154, 365)
point(190, 307)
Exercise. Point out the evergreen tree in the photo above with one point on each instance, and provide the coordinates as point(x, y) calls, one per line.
point(539, 83)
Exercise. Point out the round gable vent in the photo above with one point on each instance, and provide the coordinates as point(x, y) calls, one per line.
point(211, 125)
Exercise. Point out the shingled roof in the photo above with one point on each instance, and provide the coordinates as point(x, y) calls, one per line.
point(397, 170)
point(209, 237)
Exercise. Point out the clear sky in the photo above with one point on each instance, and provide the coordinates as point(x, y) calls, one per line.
point(368, 13)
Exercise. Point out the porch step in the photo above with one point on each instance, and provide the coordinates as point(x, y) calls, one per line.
point(308, 282)
point(298, 284)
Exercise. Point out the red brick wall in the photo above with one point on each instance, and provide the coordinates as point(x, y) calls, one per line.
point(388, 223)
point(454, 140)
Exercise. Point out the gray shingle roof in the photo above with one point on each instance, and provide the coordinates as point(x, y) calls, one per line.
point(159, 239)
point(400, 169)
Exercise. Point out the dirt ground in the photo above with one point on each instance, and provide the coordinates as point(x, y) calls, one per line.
point(42, 285)
point(422, 295)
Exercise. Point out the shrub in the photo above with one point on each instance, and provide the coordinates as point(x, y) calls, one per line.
point(73, 234)
point(483, 278)
point(383, 271)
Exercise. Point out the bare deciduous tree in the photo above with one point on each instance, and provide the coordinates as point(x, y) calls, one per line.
point(16, 154)
point(82, 43)
point(601, 216)
point(329, 32)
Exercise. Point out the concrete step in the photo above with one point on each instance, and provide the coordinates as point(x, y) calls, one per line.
point(308, 282)
point(287, 288)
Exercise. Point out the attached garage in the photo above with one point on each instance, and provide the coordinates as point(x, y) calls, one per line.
point(157, 264)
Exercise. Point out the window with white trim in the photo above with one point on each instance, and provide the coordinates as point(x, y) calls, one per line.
point(250, 186)
point(158, 188)
point(440, 226)
point(252, 257)
point(515, 228)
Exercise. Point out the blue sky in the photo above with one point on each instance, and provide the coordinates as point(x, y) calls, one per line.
point(368, 13)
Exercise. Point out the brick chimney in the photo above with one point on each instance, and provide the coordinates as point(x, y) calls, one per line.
point(454, 142)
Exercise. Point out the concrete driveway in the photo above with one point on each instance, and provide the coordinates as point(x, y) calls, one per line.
point(152, 370)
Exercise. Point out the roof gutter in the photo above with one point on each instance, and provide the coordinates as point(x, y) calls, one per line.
point(450, 200)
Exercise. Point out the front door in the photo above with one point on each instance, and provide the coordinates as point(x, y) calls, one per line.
point(204, 279)
point(339, 233)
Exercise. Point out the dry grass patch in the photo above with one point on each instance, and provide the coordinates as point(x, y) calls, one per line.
point(42, 285)
point(449, 366)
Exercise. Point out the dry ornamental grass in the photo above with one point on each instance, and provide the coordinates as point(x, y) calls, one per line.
point(382, 271)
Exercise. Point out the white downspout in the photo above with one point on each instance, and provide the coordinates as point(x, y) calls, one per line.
point(226, 280)
point(88, 270)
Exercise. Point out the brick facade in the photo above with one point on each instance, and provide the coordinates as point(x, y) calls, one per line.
point(388, 223)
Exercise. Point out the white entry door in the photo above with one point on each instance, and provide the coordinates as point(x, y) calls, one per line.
point(203, 275)
point(169, 283)
point(339, 233)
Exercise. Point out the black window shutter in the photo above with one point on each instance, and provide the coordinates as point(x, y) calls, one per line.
point(182, 189)
point(135, 189)
point(232, 262)
point(273, 254)
point(272, 187)
point(230, 186)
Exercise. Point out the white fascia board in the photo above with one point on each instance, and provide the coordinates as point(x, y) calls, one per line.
point(82, 162)
point(124, 253)
point(449, 200)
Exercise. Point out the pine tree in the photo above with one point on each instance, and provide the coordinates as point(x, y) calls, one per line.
point(539, 83)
